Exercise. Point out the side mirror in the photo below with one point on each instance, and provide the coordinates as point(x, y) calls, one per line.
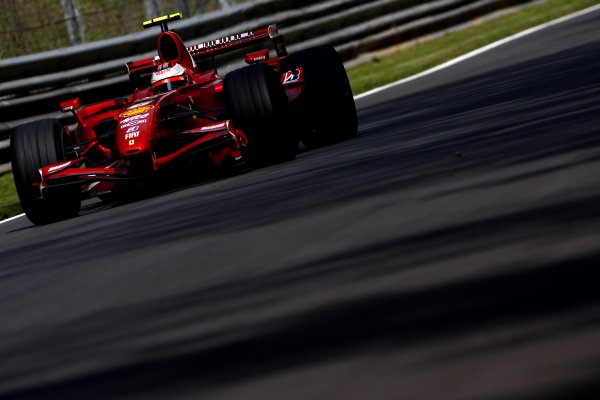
point(70, 105)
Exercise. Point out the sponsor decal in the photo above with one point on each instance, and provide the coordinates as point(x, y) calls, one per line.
point(132, 135)
point(133, 123)
point(135, 111)
point(291, 76)
point(57, 167)
point(135, 120)
point(132, 132)
point(161, 72)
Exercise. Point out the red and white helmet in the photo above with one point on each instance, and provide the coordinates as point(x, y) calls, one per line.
point(168, 78)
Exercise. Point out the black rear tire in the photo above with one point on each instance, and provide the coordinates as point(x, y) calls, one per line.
point(327, 109)
point(35, 145)
point(258, 104)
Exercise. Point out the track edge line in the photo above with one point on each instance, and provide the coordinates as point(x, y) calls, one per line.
point(481, 50)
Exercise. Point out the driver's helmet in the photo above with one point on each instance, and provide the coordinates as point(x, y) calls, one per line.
point(168, 77)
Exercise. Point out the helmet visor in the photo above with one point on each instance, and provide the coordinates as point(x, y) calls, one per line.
point(168, 84)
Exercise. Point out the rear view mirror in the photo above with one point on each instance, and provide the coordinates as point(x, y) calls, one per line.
point(70, 105)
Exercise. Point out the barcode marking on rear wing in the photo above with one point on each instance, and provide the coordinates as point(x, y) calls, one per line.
point(229, 42)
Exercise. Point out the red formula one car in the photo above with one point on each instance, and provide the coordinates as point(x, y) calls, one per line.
point(182, 112)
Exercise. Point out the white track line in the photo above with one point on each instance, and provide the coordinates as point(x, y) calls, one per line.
point(11, 218)
point(481, 50)
point(456, 60)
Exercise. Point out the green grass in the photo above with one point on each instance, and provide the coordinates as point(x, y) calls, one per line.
point(9, 202)
point(428, 54)
point(406, 62)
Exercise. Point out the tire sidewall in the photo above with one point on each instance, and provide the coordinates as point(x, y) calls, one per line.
point(33, 146)
point(327, 112)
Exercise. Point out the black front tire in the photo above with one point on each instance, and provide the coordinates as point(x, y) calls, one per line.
point(33, 146)
point(327, 109)
point(258, 104)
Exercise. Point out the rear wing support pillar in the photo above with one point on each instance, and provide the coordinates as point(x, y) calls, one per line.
point(277, 39)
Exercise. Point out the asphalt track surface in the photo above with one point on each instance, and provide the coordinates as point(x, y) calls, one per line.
point(450, 251)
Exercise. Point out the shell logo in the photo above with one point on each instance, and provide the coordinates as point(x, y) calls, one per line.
point(135, 111)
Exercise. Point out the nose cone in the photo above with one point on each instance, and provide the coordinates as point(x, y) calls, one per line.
point(134, 130)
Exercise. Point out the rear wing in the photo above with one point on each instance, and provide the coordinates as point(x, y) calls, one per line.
point(140, 68)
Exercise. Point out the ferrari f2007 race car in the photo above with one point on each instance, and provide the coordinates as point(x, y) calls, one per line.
point(182, 110)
